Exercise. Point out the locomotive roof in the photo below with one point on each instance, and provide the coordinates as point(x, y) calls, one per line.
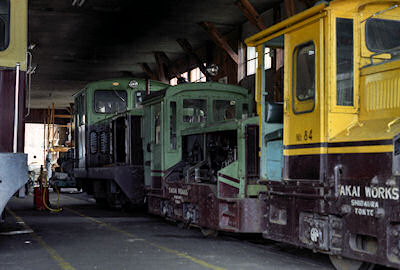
point(190, 87)
point(122, 84)
point(273, 33)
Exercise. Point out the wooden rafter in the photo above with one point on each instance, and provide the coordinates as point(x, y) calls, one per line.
point(162, 64)
point(149, 73)
point(220, 40)
point(250, 13)
point(189, 50)
point(290, 6)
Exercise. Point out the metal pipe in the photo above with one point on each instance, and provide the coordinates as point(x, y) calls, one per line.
point(16, 108)
point(29, 78)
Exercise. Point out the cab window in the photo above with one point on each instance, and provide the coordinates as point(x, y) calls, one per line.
point(110, 101)
point(194, 110)
point(380, 35)
point(344, 62)
point(304, 77)
point(224, 109)
point(172, 129)
point(4, 24)
point(139, 95)
point(157, 123)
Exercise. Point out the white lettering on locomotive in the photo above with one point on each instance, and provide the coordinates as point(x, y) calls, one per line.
point(364, 212)
point(349, 190)
point(383, 193)
point(183, 192)
point(362, 203)
point(391, 193)
point(172, 190)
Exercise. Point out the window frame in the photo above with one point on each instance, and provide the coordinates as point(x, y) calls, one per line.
point(336, 65)
point(294, 77)
point(357, 41)
point(170, 110)
point(7, 28)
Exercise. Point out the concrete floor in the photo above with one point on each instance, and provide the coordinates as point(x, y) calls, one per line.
point(84, 236)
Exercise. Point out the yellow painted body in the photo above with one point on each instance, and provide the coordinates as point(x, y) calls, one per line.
point(16, 51)
point(375, 113)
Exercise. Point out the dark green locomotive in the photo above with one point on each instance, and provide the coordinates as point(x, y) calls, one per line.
point(108, 146)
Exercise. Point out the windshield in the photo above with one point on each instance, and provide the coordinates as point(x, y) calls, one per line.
point(380, 35)
point(110, 101)
point(194, 110)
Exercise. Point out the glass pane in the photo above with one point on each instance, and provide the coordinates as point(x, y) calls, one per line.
point(4, 24)
point(305, 72)
point(251, 66)
point(380, 35)
point(224, 109)
point(157, 123)
point(110, 101)
point(173, 81)
point(172, 117)
point(245, 109)
point(194, 110)
point(267, 58)
point(139, 95)
point(344, 62)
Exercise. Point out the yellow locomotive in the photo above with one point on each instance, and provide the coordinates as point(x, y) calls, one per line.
point(330, 152)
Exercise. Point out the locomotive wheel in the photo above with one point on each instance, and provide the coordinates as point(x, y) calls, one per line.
point(209, 232)
point(341, 263)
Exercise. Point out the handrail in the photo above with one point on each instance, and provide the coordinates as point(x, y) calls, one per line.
point(391, 123)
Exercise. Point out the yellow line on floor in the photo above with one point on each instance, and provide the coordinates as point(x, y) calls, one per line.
point(165, 249)
point(61, 262)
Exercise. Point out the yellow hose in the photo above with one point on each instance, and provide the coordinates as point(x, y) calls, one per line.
point(44, 198)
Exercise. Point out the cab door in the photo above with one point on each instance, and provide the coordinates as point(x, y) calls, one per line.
point(304, 99)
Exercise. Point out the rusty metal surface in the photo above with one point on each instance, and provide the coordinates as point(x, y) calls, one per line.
point(197, 204)
point(353, 210)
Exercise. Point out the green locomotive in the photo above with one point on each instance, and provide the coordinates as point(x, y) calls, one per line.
point(201, 157)
point(108, 146)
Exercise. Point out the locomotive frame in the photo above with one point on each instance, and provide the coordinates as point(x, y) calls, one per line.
point(339, 188)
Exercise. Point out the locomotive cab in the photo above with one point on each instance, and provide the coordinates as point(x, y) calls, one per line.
point(330, 167)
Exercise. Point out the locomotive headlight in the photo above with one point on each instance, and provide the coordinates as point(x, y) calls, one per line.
point(212, 69)
point(133, 84)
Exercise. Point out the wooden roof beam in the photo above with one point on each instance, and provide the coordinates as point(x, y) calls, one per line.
point(162, 65)
point(220, 40)
point(250, 13)
point(290, 6)
point(149, 73)
point(187, 48)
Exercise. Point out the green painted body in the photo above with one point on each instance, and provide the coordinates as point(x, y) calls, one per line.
point(162, 156)
point(87, 96)
point(237, 169)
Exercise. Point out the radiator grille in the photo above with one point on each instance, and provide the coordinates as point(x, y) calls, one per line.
point(383, 95)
